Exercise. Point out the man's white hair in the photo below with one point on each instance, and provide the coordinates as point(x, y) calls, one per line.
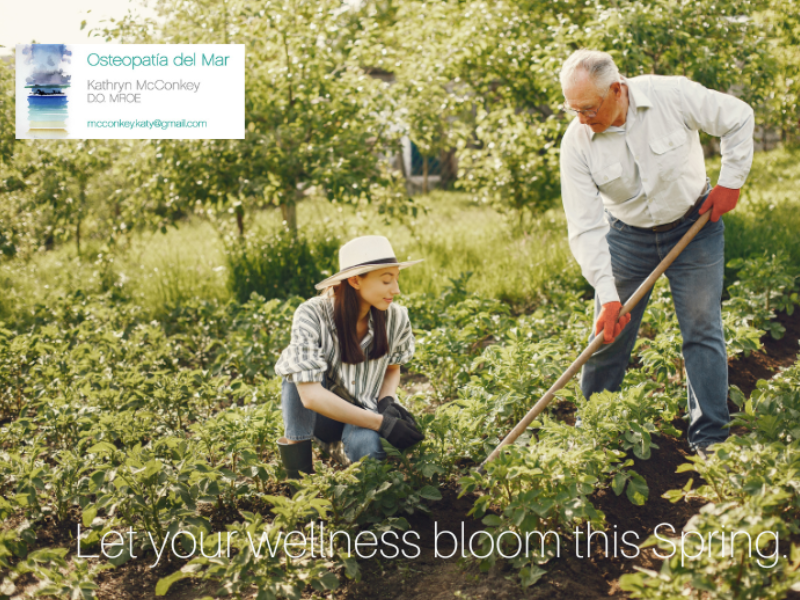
point(598, 65)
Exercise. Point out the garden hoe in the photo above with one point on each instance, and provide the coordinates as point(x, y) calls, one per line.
point(597, 342)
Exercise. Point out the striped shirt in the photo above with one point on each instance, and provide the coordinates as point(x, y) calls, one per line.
point(314, 353)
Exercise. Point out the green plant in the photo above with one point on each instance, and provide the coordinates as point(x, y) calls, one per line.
point(542, 488)
point(278, 265)
point(744, 470)
point(519, 371)
point(237, 443)
point(456, 433)
point(261, 562)
point(740, 336)
point(773, 409)
point(628, 420)
point(710, 563)
point(257, 335)
point(370, 492)
point(56, 577)
point(68, 482)
point(153, 488)
point(750, 484)
point(18, 358)
point(766, 284)
point(24, 475)
point(460, 325)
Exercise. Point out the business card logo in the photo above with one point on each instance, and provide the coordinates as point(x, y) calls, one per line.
point(45, 68)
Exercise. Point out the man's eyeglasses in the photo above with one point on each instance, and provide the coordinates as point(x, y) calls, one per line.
point(588, 112)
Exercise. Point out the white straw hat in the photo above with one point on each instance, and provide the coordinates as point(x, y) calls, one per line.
point(364, 254)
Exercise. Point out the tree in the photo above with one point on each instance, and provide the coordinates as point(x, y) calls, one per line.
point(314, 118)
point(415, 47)
point(719, 44)
point(781, 20)
point(510, 55)
point(7, 114)
point(517, 166)
point(58, 176)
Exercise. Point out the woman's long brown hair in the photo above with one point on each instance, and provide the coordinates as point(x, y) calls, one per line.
point(345, 317)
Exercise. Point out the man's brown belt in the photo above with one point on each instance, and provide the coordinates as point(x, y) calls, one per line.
point(676, 222)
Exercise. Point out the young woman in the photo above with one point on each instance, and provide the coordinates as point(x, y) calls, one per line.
point(342, 368)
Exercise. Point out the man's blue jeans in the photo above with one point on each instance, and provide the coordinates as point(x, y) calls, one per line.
point(299, 425)
point(695, 279)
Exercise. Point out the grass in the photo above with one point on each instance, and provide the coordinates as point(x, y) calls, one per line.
point(155, 270)
point(160, 271)
point(456, 236)
point(767, 216)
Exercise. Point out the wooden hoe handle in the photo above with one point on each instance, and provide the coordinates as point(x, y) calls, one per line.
point(597, 342)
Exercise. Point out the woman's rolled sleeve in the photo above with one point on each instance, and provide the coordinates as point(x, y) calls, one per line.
point(403, 340)
point(303, 360)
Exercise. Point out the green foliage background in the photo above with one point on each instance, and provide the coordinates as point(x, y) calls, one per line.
point(481, 77)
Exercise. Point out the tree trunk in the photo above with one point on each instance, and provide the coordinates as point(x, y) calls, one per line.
point(424, 174)
point(78, 236)
point(289, 214)
point(402, 164)
point(240, 220)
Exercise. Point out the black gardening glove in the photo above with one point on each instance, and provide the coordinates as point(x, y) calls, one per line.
point(397, 432)
point(390, 405)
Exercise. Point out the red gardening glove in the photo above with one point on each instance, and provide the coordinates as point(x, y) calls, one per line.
point(720, 200)
point(609, 321)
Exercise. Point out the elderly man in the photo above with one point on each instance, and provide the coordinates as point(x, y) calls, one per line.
point(633, 181)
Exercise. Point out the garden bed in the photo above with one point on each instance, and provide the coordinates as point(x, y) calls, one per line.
point(570, 577)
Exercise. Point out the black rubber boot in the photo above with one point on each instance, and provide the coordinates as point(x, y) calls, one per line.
point(296, 458)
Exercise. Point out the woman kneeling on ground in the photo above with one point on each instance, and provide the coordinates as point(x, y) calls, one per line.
point(342, 368)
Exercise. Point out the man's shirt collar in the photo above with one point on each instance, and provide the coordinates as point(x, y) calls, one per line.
point(636, 98)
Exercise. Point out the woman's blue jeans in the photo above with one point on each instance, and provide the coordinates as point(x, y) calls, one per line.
point(299, 424)
point(695, 279)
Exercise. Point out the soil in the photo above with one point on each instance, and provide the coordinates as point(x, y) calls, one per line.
point(433, 578)
point(777, 354)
